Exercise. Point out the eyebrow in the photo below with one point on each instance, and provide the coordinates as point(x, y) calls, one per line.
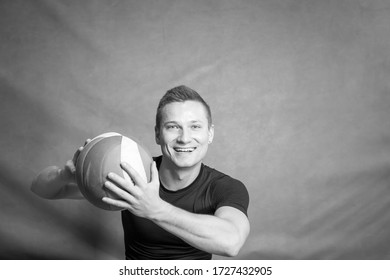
point(176, 122)
point(169, 122)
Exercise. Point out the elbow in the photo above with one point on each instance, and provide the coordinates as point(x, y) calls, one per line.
point(231, 252)
point(37, 189)
point(34, 187)
point(232, 247)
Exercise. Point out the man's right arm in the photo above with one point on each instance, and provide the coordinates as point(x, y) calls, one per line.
point(56, 183)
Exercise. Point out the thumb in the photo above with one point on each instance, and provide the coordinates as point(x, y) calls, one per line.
point(70, 166)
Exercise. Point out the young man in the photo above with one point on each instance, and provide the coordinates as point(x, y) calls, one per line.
point(188, 210)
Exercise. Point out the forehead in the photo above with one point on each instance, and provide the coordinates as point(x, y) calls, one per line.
point(184, 111)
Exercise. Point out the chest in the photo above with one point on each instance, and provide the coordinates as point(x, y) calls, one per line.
point(195, 201)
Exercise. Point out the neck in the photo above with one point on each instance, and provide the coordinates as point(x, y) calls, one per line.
point(175, 178)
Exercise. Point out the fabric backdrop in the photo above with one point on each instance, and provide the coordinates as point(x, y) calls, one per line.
point(300, 93)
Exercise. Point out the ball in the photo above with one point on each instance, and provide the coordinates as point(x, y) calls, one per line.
point(102, 155)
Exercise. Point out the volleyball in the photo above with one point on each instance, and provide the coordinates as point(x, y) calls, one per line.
point(102, 155)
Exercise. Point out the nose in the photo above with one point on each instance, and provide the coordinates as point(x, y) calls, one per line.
point(184, 136)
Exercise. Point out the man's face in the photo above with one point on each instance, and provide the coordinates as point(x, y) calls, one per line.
point(184, 133)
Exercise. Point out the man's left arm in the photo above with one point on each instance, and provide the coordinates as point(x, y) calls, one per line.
point(223, 233)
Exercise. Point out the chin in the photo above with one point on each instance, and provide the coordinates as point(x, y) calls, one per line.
point(181, 164)
point(186, 163)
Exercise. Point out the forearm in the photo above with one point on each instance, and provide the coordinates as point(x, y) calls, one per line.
point(209, 233)
point(223, 233)
point(52, 183)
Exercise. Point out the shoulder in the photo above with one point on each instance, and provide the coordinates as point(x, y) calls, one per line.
point(227, 191)
point(222, 180)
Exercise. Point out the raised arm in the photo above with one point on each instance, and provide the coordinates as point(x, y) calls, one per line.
point(56, 183)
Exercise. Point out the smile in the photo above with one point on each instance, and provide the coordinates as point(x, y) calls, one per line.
point(184, 150)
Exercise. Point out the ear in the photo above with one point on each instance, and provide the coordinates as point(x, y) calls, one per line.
point(211, 134)
point(157, 135)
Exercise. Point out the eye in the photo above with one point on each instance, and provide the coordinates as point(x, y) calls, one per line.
point(172, 126)
point(196, 126)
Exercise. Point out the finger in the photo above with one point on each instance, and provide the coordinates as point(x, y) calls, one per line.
point(119, 192)
point(70, 166)
point(118, 180)
point(87, 141)
point(116, 202)
point(123, 183)
point(134, 175)
point(76, 155)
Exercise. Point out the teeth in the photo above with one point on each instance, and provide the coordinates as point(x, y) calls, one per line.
point(184, 150)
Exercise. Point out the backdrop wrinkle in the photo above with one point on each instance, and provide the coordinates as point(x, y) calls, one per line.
point(300, 96)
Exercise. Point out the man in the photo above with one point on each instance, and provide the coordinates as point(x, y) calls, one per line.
point(188, 210)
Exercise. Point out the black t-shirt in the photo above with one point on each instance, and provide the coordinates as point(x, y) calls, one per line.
point(210, 190)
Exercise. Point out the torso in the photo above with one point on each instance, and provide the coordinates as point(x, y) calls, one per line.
point(146, 240)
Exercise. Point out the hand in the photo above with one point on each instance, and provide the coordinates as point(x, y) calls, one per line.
point(68, 172)
point(140, 198)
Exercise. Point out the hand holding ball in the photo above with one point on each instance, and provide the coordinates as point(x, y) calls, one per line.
point(102, 155)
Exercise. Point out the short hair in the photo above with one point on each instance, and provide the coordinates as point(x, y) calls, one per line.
point(181, 94)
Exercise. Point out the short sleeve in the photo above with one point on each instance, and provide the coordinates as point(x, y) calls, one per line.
point(228, 191)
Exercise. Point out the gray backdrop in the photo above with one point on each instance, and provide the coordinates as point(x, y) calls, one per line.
point(299, 91)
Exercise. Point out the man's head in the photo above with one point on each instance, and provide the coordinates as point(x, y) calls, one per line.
point(181, 94)
point(183, 127)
